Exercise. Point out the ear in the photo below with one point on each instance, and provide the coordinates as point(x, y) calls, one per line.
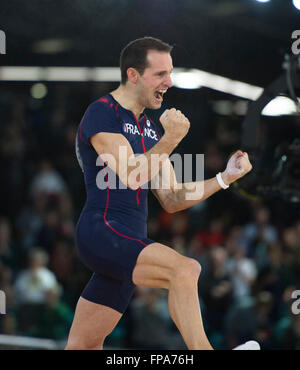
point(132, 75)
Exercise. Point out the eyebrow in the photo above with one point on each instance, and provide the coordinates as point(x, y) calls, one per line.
point(164, 71)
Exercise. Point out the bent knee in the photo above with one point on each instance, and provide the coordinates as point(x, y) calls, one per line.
point(187, 268)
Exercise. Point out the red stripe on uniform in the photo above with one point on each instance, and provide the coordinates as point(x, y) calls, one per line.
point(139, 189)
point(137, 196)
point(105, 212)
point(140, 132)
point(103, 99)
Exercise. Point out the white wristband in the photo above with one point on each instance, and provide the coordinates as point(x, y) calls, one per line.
point(221, 182)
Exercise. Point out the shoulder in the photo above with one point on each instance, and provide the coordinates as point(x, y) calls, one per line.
point(101, 106)
point(100, 116)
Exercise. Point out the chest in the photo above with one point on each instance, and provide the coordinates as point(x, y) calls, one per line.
point(142, 135)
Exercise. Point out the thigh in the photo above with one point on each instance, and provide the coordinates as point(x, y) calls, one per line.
point(155, 266)
point(109, 292)
point(92, 323)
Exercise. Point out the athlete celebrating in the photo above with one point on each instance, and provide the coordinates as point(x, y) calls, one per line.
point(116, 138)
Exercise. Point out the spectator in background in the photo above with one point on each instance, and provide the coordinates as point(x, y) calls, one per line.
point(243, 273)
point(32, 284)
point(214, 235)
point(8, 323)
point(196, 248)
point(258, 232)
point(65, 207)
point(151, 322)
point(50, 130)
point(50, 230)
point(172, 225)
point(62, 260)
point(8, 252)
point(215, 288)
point(288, 333)
point(30, 221)
point(273, 276)
point(66, 216)
point(287, 329)
point(55, 317)
point(233, 240)
point(250, 318)
point(291, 250)
point(13, 152)
point(31, 287)
point(179, 224)
point(291, 239)
point(48, 181)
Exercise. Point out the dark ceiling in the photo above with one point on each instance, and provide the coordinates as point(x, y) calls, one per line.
point(241, 39)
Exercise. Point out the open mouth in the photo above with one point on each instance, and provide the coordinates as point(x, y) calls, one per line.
point(159, 94)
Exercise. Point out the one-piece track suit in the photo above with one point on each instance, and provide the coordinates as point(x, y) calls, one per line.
point(112, 227)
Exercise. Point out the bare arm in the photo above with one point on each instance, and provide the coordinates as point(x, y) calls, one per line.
point(181, 196)
point(116, 151)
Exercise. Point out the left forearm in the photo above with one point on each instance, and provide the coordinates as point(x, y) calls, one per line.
point(181, 196)
point(188, 194)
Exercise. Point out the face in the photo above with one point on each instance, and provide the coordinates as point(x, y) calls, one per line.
point(155, 81)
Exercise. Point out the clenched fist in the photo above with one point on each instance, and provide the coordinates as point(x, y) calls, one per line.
point(175, 124)
point(237, 167)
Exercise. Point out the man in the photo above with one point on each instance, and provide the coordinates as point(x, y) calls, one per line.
point(111, 233)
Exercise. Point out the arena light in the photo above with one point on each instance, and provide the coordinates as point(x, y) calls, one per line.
point(112, 74)
point(215, 82)
point(20, 73)
point(183, 78)
point(280, 106)
point(263, 1)
point(66, 74)
point(296, 4)
point(186, 79)
point(71, 74)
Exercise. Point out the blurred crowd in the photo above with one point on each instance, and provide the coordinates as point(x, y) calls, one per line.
point(249, 249)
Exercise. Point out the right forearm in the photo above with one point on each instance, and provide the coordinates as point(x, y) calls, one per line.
point(144, 167)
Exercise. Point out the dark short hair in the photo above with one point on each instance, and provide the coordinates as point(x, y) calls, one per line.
point(134, 54)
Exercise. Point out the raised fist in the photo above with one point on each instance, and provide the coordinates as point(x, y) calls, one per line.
point(175, 124)
point(237, 167)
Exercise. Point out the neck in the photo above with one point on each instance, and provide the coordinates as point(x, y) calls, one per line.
point(128, 99)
